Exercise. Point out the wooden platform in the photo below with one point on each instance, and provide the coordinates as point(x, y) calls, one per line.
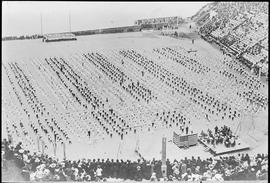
point(185, 140)
point(222, 149)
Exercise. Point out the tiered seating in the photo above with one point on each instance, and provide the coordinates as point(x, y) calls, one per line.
point(245, 25)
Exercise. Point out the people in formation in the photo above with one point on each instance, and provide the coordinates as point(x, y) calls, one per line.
point(41, 167)
point(44, 125)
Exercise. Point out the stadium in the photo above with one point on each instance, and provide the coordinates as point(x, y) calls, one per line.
point(168, 99)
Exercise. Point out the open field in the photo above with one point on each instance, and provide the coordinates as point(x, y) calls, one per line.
point(30, 54)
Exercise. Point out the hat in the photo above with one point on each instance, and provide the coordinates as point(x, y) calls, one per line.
point(21, 151)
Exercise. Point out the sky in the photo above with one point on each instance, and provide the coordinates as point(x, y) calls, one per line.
point(24, 18)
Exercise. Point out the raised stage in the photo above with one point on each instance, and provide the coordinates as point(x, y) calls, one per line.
point(222, 149)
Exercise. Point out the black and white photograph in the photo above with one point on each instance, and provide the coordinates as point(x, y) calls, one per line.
point(130, 92)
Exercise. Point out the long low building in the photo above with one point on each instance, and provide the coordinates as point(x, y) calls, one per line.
point(161, 20)
point(58, 37)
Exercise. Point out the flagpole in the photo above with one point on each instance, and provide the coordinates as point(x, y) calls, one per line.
point(41, 28)
point(69, 21)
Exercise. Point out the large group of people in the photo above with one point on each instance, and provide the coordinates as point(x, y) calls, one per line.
point(182, 59)
point(41, 167)
point(99, 114)
point(174, 119)
point(110, 94)
point(218, 136)
point(202, 99)
point(241, 27)
point(163, 87)
point(40, 122)
point(108, 119)
point(136, 89)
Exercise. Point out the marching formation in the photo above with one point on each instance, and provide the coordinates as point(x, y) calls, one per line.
point(115, 92)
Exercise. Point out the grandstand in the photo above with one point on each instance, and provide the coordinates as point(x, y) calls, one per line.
point(106, 101)
point(240, 27)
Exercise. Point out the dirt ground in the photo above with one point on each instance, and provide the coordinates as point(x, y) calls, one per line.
point(253, 131)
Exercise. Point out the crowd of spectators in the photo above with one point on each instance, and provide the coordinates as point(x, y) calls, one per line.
point(41, 167)
point(241, 27)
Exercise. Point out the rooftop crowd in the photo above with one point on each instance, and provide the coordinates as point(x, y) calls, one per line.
point(40, 167)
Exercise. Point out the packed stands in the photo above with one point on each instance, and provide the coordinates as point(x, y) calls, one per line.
point(242, 27)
